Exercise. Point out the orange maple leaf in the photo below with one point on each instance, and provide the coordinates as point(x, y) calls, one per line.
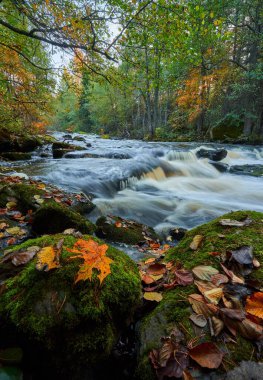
point(254, 305)
point(94, 256)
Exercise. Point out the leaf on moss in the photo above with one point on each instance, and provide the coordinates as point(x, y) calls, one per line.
point(196, 242)
point(204, 272)
point(153, 296)
point(207, 355)
point(48, 257)
point(94, 256)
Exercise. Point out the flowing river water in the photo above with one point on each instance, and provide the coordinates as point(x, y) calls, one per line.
point(163, 185)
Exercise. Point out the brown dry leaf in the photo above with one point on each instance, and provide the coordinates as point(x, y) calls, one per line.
point(204, 272)
point(149, 261)
point(254, 305)
point(236, 314)
point(147, 279)
point(48, 257)
point(235, 223)
point(187, 375)
point(156, 269)
point(246, 328)
point(16, 231)
point(183, 277)
point(118, 224)
point(227, 303)
point(204, 286)
point(207, 355)
point(21, 258)
point(196, 242)
point(218, 325)
point(166, 351)
point(232, 276)
point(219, 279)
point(94, 256)
point(153, 296)
point(3, 226)
point(214, 295)
point(198, 319)
point(200, 306)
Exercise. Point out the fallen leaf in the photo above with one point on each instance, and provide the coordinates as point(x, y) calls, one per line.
point(256, 263)
point(156, 269)
point(207, 355)
point(148, 279)
point(204, 286)
point(94, 256)
point(153, 296)
point(157, 277)
point(235, 223)
point(254, 304)
point(149, 261)
point(246, 328)
point(187, 375)
point(184, 277)
point(217, 324)
point(214, 295)
point(48, 257)
point(200, 306)
point(21, 258)
point(243, 255)
point(204, 272)
point(219, 279)
point(198, 319)
point(3, 226)
point(11, 205)
point(232, 276)
point(236, 314)
point(196, 242)
point(16, 231)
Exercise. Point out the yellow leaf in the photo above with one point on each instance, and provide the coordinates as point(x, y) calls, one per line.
point(254, 304)
point(48, 257)
point(196, 242)
point(153, 296)
point(94, 256)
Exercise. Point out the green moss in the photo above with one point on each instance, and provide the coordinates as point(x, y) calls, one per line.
point(23, 193)
point(174, 309)
point(54, 218)
point(83, 318)
point(131, 234)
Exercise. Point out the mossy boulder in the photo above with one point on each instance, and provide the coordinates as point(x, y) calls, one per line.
point(15, 156)
point(76, 324)
point(174, 309)
point(61, 148)
point(53, 218)
point(123, 231)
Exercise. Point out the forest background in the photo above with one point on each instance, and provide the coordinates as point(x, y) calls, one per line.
point(164, 69)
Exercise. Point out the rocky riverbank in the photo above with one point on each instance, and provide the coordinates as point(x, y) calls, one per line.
point(71, 300)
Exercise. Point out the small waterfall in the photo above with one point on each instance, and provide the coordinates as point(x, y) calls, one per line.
point(174, 155)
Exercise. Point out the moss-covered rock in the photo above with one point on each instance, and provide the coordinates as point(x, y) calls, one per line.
point(124, 231)
point(53, 218)
point(15, 156)
point(75, 323)
point(174, 309)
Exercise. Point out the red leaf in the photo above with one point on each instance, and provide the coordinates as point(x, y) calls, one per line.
point(184, 277)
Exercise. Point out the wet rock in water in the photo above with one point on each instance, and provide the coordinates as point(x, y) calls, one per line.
point(61, 148)
point(15, 156)
point(253, 170)
point(121, 156)
point(124, 231)
point(88, 145)
point(79, 138)
point(174, 309)
point(54, 218)
point(67, 137)
point(178, 233)
point(222, 168)
point(74, 326)
point(212, 154)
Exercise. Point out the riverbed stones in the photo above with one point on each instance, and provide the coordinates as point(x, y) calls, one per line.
point(174, 310)
point(59, 149)
point(212, 154)
point(116, 229)
point(70, 326)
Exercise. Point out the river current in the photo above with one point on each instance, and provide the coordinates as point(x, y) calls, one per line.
point(163, 185)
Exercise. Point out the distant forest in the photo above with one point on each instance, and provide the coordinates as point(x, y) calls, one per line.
point(169, 70)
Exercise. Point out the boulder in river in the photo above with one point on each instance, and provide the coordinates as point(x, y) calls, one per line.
point(116, 229)
point(226, 239)
point(253, 170)
point(61, 148)
point(67, 328)
point(212, 154)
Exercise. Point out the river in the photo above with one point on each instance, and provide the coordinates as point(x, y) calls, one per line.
point(163, 185)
